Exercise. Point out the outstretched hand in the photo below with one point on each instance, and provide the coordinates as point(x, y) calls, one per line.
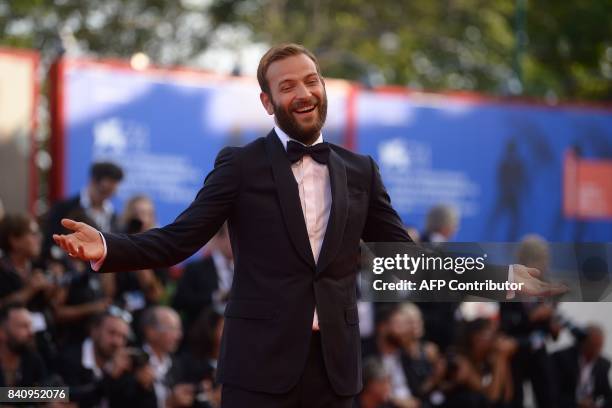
point(84, 243)
point(533, 285)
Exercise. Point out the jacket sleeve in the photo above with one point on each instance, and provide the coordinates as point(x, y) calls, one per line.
point(173, 243)
point(383, 224)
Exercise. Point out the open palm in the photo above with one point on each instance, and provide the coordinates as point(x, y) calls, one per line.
point(84, 243)
point(533, 285)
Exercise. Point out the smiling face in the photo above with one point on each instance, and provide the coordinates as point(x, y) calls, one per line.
point(296, 97)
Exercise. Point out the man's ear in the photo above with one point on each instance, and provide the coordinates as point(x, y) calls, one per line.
point(266, 101)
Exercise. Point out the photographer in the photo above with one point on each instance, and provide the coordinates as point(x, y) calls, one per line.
point(582, 373)
point(162, 331)
point(479, 373)
point(198, 362)
point(531, 322)
point(101, 370)
point(22, 282)
point(20, 365)
point(137, 290)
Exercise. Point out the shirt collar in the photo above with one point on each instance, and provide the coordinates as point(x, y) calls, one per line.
point(284, 138)
point(88, 358)
point(163, 363)
point(107, 206)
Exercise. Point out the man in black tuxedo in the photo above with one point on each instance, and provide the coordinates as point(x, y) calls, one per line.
point(297, 208)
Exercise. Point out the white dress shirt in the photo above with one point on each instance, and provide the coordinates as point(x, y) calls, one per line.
point(103, 216)
point(314, 188)
point(160, 366)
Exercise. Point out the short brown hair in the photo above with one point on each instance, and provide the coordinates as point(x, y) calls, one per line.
point(105, 170)
point(13, 226)
point(278, 53)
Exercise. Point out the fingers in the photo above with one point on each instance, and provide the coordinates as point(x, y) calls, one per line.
point(71, 225)
point(536, 273)
point(61, 241)
point(558, 289)
point(67, 244)
point(543, 289)
point(72, 248)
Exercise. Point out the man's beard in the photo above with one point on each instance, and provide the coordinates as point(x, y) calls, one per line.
point(105, 353)
point(286, 121)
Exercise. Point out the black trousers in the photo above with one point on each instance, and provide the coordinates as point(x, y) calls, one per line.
point(313, 390)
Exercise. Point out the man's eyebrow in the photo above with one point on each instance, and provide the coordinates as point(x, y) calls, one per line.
point(286, 81)
point(313, 74)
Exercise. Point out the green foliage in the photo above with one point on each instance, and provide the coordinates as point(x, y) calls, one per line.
point(447, 44)
point(108, 28)
point(435, 45)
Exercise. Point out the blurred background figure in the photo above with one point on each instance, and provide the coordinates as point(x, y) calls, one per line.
point(532, 323)
point(22, 281)
point(582, 374)
point(423, 365)
point(413, 233)
point(20, 364)
point(138, 214)
point(387, 346)
point(197, 364)
point(162, 331)
point(441, 224)
point(376, 386)
point(206, 282)
point(93, 202)
point(137, 290)
point(100, 370)
point(81, 296)
point(478, 371)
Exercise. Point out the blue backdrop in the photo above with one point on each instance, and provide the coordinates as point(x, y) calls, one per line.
point(500, 165)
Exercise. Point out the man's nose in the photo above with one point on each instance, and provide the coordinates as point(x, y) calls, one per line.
point(302, 91)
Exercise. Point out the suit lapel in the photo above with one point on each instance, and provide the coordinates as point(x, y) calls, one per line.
point(338, 213)
point(289, 197)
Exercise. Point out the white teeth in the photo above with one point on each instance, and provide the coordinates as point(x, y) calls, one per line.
point(305, 109)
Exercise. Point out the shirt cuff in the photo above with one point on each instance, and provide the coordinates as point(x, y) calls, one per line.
point(96, 265)
point(510, 294)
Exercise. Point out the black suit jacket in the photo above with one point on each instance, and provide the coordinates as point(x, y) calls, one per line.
point(567, 371)
point(276, 280)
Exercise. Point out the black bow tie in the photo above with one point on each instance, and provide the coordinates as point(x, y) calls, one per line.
point(319, 152)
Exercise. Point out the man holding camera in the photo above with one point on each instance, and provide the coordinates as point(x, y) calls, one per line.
point(99, 371)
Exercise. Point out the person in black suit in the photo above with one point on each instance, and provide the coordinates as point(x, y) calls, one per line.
point(92, 203)
point(531, 322)
point(582, 373)
point(296, 208)
point(441, 225)
point(207, 281)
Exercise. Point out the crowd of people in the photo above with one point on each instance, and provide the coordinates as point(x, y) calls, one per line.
point(150, 338)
